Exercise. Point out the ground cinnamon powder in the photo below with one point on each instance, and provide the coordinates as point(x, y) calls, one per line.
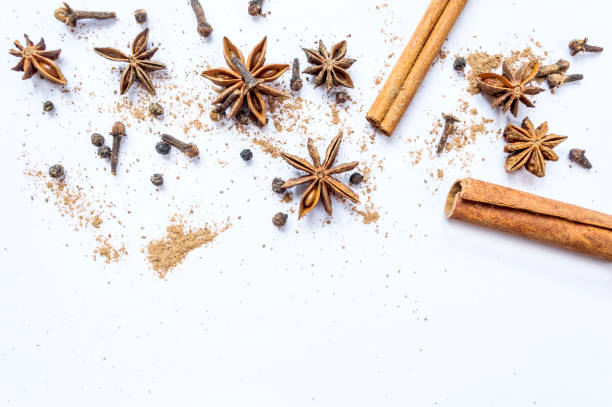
point(166, 253)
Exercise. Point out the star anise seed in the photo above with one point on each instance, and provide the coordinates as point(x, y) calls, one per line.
point(329, 67)
point(510, 87)
point(320, 177)
point(35, 58)
point(139, 61)
point(245, 80)
point(530, 147)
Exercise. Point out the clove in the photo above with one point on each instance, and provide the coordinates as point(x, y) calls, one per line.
point(68, 16)
point(558, 67)
point(296, 82)
point(449, 120)
point(577, 155)
point(118, 132)
point(577, 46)
point(190, 149)
point(204, 28)
point(255, 7)
point(557, 79)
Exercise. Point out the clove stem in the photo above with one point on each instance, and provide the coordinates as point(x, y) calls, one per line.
point(69, 16)
point(204, 28)
point(448, 127)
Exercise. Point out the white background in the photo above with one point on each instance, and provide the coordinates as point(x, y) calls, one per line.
point(411, 310)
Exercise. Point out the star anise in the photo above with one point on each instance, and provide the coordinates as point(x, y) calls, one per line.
point(139, 62)
point(245, 80)
point(35, 58)
point(510, 87)
point(329, 68)
point(530, 147)
point(320, 177)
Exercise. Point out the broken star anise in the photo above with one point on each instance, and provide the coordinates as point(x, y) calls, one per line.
point(530, 147)
point(245, 80)
point(329, 67)
point(139, 62)
point(320, 177)
point(35, 58)
point(510, 87)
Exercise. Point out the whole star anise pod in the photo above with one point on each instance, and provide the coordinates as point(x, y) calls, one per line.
point(35, 58)
point(139, 62)
point(320, 177)
point(329, 68)
point(510, 87)
point(245, 80)
point(530, 147)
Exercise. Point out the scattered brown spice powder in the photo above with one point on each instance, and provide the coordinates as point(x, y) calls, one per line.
point(267, 147)
point(481, 62)
point(166, 253)
point(107, 251)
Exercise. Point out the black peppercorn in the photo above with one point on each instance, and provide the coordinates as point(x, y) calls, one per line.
point(246, 154)
point(162, 148)
point(459, 64)
point(104, 152)
point(277, 185)
point(56, 171)
point(157, 179)
point(97, 140)
point(48, 106)
point(356, 178)
point(279, 219)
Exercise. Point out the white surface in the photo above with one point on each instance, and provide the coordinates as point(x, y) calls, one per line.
point(325, 314)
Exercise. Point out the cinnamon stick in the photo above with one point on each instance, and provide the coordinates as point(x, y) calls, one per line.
point(534, 217)
point(417, 73)
point(404, 64)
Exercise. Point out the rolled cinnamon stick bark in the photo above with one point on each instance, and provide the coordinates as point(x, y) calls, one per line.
point(557, 223)
point(404, 64)
point(417, 73)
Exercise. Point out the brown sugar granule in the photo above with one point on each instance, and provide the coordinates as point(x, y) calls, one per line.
point(481, 62)
point(165, 254)
point(96, 221)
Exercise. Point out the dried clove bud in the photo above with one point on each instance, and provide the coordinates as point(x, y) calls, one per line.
point(558, 67)
point(189, 149)
point(577, 46)
point(56, 171)
point(577, 155)
point(48, 106)
point(140, 15)
point(255, 7)
point(68, 16)
point(279, 219)
point(118, 132)
point(204, 28)
point(296, 82)
point(557, 79)
point(449, 120)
